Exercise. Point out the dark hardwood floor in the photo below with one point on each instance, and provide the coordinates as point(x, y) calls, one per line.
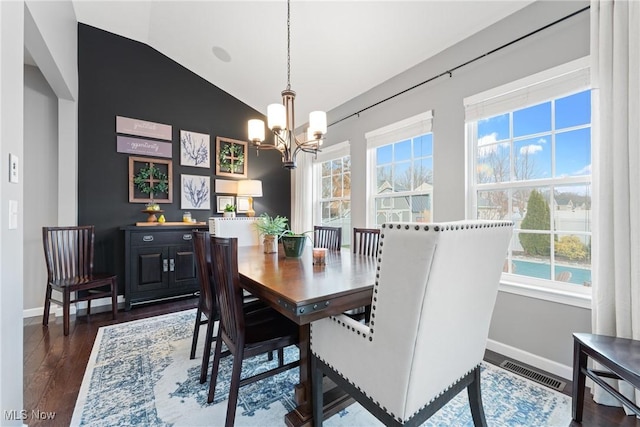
point(54, 366)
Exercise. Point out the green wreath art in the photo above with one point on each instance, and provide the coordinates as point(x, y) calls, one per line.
point(229, 151)
point(142, 180)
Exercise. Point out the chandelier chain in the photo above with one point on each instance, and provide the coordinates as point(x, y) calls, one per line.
point(288, 45)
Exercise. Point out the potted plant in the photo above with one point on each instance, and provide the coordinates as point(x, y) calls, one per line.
point(293, 243)
point(229, 211)
point(271, 228)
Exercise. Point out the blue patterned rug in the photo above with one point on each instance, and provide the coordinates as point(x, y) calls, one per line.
point(139, 373)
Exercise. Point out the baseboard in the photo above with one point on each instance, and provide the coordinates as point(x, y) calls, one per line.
point(56, 310)
point(531, 359)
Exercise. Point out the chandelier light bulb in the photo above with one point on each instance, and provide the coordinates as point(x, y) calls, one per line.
point(276, 117)
point(318, 123)
point(256, 131)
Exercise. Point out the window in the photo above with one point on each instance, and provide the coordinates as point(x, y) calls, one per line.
point(531, 163)
point(401, 171)
point(332, 180)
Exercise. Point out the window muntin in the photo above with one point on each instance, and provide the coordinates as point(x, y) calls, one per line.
point(533, 166)
point(404, 180)
point(334, 201)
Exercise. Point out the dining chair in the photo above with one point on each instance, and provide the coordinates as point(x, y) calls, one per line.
point(365, 241)
point(432, 303)
point(207, 311)
point(68, 252)
point(327, 237)
point(246, 334)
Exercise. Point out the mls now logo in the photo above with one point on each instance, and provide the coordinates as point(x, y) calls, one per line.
point(14, 414)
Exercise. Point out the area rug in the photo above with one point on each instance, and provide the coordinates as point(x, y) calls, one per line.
point(139, 373)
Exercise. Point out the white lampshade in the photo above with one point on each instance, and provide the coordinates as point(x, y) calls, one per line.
point(276, 116)
point(318, 122)
point(250, 187)
point(256, 130)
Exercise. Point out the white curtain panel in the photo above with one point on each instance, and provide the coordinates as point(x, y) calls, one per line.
point(302, 194)
point(615, 55)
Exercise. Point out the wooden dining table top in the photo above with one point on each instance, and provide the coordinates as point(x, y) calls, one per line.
point(303, 291)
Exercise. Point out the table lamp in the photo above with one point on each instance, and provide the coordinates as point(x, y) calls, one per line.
point(250, 188)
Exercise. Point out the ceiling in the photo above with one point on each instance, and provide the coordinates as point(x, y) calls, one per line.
point(339, 49)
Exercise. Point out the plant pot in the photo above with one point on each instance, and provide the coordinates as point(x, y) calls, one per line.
point(270, 244)
point(229, 214)
point(293, 245)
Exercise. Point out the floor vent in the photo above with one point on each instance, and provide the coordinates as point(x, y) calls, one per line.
point(532, 375)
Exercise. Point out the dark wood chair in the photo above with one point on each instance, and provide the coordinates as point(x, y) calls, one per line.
point(246, 334)
point(327, 237)
point(68, 253)
point(207, 306)
point(618, 355)
point(365, 241)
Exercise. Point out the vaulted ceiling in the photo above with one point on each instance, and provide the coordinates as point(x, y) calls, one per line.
point(339, 49)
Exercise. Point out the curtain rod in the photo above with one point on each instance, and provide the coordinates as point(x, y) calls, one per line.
point(450, 71)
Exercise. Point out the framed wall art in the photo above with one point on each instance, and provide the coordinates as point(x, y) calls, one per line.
point(196, 192)
point(194, 149)
point(242, 204)
point(231, 157)
point(150, 180)
point(223, 201)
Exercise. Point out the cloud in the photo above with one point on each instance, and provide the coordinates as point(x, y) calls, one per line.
point(584, 171)
point(530, 149)
point(488, 139)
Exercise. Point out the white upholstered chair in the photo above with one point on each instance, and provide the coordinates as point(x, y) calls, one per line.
point(432, 304)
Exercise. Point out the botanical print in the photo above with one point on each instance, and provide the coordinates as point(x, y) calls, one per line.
point(223, 201)
point(231, 157)
point(196, 192)
point(194, 149)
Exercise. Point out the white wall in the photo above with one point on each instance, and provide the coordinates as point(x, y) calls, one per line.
point(40, 181)
point(48, 30)
point(11, 75)
point(515, 324)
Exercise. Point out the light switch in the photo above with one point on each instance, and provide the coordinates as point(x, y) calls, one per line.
point(13, 168)
point(13, 214)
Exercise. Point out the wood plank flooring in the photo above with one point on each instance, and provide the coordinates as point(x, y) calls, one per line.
point(54, 366)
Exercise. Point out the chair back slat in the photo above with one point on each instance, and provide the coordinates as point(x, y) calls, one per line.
point(68, 251)
point(202, 249)
point(365, 241)
point(224, 257)
point(327, 237)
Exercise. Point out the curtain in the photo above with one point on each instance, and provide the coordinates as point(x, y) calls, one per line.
point(615, 56)
point(302, 194)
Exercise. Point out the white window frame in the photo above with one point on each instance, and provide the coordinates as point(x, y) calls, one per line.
point(408, 128)
point(333, 152)
point(553, 83)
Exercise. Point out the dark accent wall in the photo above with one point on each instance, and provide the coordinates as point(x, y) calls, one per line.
point(122, 77)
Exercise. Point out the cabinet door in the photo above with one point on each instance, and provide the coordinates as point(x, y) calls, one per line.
point(182, 263)
point(150, 268)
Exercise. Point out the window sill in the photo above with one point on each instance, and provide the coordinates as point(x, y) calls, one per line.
point(575, 299)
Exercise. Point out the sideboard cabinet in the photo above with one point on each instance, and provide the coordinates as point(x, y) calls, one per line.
point(159, 263)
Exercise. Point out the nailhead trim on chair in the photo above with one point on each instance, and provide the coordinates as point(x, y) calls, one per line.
point(384, 408)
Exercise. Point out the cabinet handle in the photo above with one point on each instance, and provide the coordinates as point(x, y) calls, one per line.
point(148, 238)
point(172, 264)
point(165, 265)
point(187, 237)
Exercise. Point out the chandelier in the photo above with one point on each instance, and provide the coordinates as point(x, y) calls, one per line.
point(281, 121)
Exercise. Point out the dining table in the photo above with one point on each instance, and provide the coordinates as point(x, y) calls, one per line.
point(304, 292)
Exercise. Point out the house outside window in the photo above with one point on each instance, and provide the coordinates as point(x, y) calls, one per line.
point(400, 166)
point(332, 183)
point(530, 162)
